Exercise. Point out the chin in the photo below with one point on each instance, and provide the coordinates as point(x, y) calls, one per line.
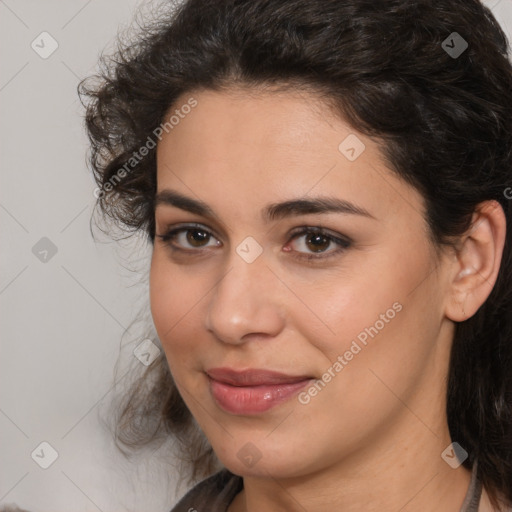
point(261, 460)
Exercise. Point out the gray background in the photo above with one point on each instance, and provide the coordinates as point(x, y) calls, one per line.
point(63, 314)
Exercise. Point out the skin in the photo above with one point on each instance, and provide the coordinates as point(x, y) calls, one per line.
point(372, 438)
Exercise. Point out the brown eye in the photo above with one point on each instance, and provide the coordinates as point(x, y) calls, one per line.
point(189, 238)
point(317, 242)
point(314, 243)
point(197, 237)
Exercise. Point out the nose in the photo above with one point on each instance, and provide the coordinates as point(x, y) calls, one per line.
point(247, 302)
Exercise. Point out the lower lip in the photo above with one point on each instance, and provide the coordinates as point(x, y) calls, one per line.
point(253, 399)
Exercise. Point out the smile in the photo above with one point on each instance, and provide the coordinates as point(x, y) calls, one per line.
point(252, 391)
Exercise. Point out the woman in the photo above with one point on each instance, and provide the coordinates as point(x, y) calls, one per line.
point(326, 187)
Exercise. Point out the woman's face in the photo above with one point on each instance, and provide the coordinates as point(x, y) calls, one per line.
point(350, 313)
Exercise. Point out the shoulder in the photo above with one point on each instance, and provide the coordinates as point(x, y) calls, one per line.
point(215, 492)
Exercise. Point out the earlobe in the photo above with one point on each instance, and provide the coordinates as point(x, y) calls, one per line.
point(477, 263)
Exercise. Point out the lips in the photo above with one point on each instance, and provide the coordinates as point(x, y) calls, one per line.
point(252, 391)
point(253, 377)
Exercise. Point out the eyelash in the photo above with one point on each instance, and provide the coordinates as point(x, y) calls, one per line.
point(343, 243)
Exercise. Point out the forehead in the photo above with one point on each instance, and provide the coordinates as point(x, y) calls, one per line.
point(248, 118)
point(270, 146)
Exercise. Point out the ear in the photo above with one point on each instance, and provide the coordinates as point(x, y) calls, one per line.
point(477, 261)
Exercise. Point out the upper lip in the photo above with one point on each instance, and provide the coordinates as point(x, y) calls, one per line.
point(253, 377)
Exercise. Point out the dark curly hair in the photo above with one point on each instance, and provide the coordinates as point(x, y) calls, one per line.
point(443, 122)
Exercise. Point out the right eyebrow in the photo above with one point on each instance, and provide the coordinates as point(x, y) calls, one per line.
point(173, 198)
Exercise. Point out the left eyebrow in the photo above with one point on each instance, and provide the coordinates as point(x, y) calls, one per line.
point(272, 212)
point(315, 205)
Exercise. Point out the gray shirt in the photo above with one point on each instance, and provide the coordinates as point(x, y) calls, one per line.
point(215, 493)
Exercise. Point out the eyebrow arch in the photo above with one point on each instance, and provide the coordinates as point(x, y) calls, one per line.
point(272, 212)
point(315, 205)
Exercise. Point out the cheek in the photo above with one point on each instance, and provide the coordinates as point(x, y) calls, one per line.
point(173, 302)
point(381, 345)
point(162, 300)
point(348, 308)
point(373, 318)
